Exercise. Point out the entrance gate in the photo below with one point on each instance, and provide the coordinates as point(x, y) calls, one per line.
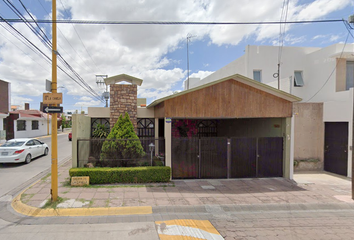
point(194, 158)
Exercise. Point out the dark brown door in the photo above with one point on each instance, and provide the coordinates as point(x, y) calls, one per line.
point(270, 157)
point(243, 158)
point(213, 158)
point(336, 148)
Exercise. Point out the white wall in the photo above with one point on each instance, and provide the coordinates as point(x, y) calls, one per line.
point(29, 133)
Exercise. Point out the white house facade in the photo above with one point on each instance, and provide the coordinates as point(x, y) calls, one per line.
point(324, 79)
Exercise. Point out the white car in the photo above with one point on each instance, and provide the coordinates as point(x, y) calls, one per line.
point(22, 150)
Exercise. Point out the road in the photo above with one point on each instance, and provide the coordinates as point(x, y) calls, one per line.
point(14, 175)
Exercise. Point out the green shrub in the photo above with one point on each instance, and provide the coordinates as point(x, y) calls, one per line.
point(123, 175)
point(127, 146)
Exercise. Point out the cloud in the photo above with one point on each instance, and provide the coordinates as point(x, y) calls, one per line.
point(140, 50)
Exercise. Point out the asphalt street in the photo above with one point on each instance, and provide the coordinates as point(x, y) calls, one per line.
point(12, 175)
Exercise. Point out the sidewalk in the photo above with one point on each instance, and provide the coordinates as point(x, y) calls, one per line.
point(126, 199)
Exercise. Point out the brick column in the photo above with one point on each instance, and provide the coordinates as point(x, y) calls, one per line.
point(123, 98)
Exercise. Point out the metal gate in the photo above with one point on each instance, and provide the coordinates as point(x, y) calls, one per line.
point(336, 148)
point(223, 158)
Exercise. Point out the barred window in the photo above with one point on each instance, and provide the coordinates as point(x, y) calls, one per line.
point(146, 127)
point(35, 125)
point(21, 125)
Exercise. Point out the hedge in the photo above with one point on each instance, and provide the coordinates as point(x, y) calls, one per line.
point(123, 175)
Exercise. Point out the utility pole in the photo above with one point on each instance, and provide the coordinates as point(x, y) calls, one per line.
point(54, 190)
point(105, 94)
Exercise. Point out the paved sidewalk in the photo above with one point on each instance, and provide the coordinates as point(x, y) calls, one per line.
point(311, 188)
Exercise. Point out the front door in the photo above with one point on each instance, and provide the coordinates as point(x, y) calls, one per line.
point(336, 148)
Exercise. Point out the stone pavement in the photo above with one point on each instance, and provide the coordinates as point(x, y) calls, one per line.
point(314, 206)
point(313, 188)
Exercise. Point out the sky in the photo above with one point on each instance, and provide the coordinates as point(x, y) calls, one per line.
point(155, 53)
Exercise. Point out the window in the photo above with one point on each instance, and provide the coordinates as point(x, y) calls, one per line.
point(257, 74)
point(350, 75)
point(30, 143)
point(21, 125)
point(35, 125)
point(146, 127)
point(298, 80)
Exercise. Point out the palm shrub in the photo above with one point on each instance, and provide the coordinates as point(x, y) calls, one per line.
point(101, 131)
point(127, 144)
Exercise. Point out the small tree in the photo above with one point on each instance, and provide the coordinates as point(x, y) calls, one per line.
point(127, 145)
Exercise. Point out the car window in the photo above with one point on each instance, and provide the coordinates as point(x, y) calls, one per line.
point(37, 142)
point(30, 143)
point(12, 144)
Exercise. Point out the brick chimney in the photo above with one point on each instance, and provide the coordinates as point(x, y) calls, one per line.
point(27, 106)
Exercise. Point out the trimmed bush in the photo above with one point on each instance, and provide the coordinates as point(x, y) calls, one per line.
point(123, 175)
point(129, 147)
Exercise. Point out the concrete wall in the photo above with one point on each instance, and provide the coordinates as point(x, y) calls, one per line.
point(309, 135)
point(144, 112)
point(29, 133)
point(81, 127)
point(98, 112)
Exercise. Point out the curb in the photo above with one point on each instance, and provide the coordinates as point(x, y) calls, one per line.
point(30, 211)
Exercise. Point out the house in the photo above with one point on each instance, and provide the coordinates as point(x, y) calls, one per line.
point(233, 127)
point(5, 95)
point(27, 123)
point(323, 78)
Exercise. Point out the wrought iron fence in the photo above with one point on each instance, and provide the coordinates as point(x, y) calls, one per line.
point(120, 152)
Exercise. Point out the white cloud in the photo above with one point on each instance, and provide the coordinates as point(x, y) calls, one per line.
point(140, 50)
point(85, 98)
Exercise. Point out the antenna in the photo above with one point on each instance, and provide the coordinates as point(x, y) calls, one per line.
point(189, 36)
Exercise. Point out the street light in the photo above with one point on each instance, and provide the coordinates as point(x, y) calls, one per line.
point(151, 148)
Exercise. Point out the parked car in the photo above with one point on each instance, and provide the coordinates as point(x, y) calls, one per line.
point(22, 150)
point(70, 136)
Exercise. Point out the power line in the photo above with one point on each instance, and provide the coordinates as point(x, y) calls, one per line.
point(45, 40)
point(80, 38)
point(33, 47)
point(63, 35)
point(95, 22)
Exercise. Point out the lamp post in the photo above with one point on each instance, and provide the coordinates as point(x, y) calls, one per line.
point(151, 148)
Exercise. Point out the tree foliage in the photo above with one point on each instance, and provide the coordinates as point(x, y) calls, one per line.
point(122, 142)
point(100, 131)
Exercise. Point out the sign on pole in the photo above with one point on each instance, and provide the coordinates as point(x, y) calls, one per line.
point(52, 98)
point(53, 109)
point(48, 85)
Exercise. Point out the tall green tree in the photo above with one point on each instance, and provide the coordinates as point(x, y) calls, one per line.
point(122, 142)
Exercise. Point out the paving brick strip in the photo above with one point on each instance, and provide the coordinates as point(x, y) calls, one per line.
point(186, 198)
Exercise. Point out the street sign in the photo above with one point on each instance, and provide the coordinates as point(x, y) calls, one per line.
point(52, 98)
point(48, 85)
point(53, 109)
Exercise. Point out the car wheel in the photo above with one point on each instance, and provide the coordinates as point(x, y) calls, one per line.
point(46, 150)
point(28, 158)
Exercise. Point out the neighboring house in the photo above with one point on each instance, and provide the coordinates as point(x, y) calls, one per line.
point(5, 94)
point(324, 79)
point(27, 124)
point(234, 127)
